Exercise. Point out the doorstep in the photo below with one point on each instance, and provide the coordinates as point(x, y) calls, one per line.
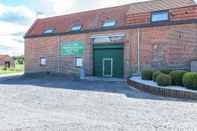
point(92, 78)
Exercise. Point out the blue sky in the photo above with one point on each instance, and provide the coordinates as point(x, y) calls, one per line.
point(16, 16)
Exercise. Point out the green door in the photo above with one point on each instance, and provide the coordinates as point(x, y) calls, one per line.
point(108, 60)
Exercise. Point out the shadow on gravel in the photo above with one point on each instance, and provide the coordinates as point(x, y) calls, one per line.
point(74, 83)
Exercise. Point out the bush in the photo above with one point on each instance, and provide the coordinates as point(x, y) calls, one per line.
point(147, 74)
point(5, 68)
point(177, 77)
point(155, 74)
point(163, 80)
point(12, 69)
point(190, 80)
point(166, 71)
point(130, 74)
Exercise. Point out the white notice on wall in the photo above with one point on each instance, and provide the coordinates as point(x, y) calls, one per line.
point(79, 62)
point(43, 61)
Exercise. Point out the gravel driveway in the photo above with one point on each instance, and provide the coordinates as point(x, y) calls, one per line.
point(57, 104)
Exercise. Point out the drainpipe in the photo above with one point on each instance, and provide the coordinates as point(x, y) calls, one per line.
point(59, 54)
point(138, 51)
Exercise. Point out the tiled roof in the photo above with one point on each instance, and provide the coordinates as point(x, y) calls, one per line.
point(95, 18)
point(155, 5)
point(89, 20)
point(3, 57)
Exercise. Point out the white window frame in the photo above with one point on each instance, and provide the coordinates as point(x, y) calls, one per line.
point(76, 27)
point(43, 61)
point(79, 62)
point(109, 23)
point(160, 16)
point(49, 30)
point(107, 59)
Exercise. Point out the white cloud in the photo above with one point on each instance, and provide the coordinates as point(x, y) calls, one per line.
point(59, 7)
point(107, 3)
point(11, 37)
point(62, 6)
point(9, 12)
point(14, 22)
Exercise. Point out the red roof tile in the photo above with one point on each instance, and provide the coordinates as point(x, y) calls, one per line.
point(89, 20)
point(3, 57)
point(154, 5)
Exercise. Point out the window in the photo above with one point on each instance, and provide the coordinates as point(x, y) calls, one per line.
point(43, 61)
point(76, 28)
point(49, 30)
point(160, 16)
point(79, 62)
point(109, 23)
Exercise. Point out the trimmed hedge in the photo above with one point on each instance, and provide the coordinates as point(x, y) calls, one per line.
point(177, 77)
point(190, 80)
point(163, 80)
point(166, 71)
point(147, 74)
point(155, 74)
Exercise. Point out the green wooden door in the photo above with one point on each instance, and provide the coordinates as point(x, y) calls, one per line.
point(108, 60)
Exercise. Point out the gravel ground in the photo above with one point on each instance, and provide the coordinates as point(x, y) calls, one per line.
point(57, 104)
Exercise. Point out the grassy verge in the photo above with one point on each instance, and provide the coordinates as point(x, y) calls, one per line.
point(18, 69)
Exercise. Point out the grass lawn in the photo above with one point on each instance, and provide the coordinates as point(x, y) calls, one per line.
point(18, 69)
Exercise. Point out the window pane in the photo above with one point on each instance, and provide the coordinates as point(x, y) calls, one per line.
point(76, 28)
point(43, 61)
point(79, 62)
point(159, 16)
point(49, 30)
point(109, 23)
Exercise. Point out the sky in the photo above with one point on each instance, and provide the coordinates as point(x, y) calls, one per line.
point(16, 17)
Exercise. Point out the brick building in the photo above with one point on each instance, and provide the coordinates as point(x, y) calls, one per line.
point(6, 61)
point(112, 42)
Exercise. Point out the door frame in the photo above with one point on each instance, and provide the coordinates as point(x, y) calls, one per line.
point(103, 63)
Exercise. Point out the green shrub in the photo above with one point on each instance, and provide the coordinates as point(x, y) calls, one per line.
point(166, 71)
point(177, 77)
point(163, 80)
point(12, 69)
point(147, 74)
point(190, 80)
point(4, 68)
point(155, 74)
point(130, 74)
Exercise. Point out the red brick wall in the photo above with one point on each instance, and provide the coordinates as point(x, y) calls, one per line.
point(41, 47)
point(166, 46)
point(7, 59)
point(160, 47)
point(141, 18)
point(184, 13)
point(48, 47)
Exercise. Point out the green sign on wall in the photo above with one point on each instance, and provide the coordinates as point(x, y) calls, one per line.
point(73, 48)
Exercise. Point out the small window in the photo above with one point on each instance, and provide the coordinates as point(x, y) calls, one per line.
point(76, 28)
point(43, 61)
point(109, 23)
point(79, 62)
point(49, 30)
point(160, 16)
